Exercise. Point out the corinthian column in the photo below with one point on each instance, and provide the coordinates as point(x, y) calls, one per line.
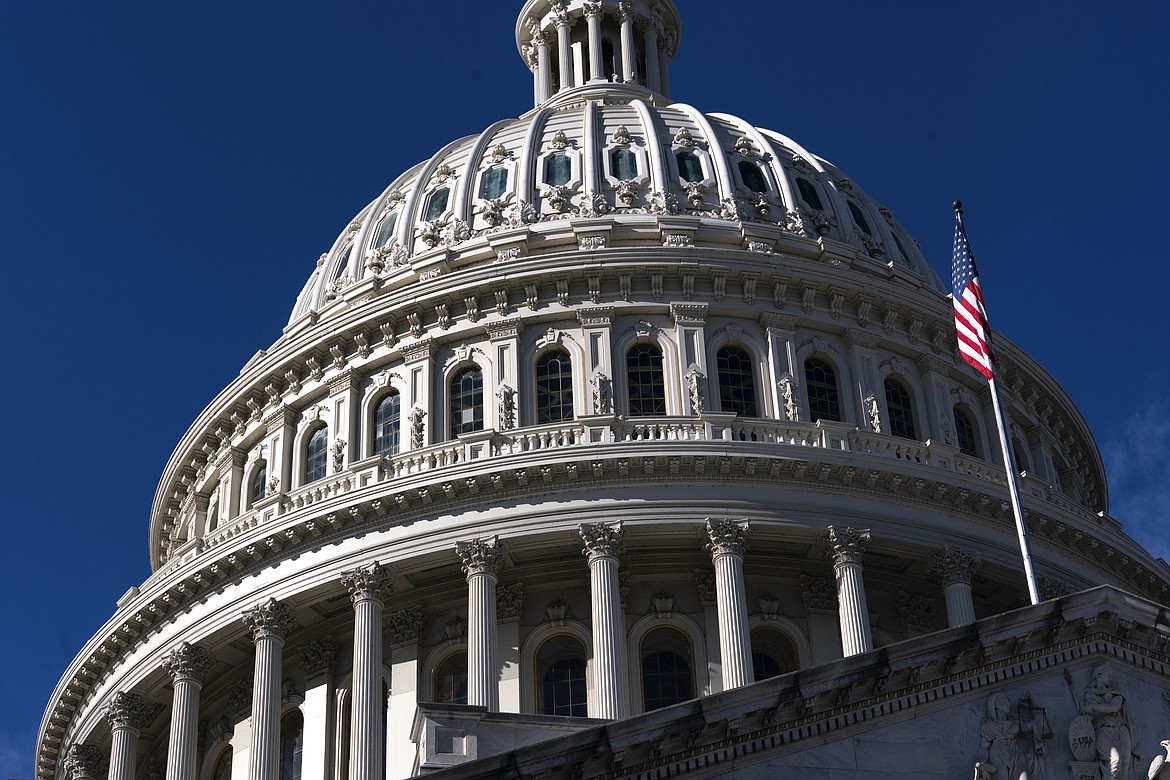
point(126, 713)
point(368, 588)
point(481, 562)
point(269, 622)
point(629, 57)
point(951, 568)
point(593, 20)
point(845, 548)
point(603, 545)
point(81, 762)
point(735, 647)
point(564, 20)
point(188, 665)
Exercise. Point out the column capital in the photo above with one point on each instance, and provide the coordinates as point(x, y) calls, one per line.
point(368, 583)
point(593, 9)
point(625, 11)
point(952, 566)
point(269, 620)
point(319, 657)
point(188, 662)
point(602, 540)
point(562, 17)
point(480, 556)
point(726, 537)
point(82, 761)
point(845, 545)
point(404, 626)
point(130, 711)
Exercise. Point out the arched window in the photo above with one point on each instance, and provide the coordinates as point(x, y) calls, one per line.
point(690, 167)
point(494, 182)
point(753, 177)
point(213, 518)
point(623, 164)
point(223, 766)
point(859, 218)
point(561, 685)
point(1020, 455)
point(259, 484)
point(901, 409)
point(387, 425)
point(773, 654)
point(292, 732)
point(737, 382)
point(467, 401)
point(437, 203)
point(965, 431)
point(386, 230)
point(554, 387)
point(451, 680)
point(824, 401)
point(645, 380)
point(808, 193)
point(317, 455)
point(558, 169)
point(666, 669)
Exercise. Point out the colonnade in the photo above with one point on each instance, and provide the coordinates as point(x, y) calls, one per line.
point(603, 545)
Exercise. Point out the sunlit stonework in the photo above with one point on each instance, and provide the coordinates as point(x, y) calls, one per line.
point(623, 440)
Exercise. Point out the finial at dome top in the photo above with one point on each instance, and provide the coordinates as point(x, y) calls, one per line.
point(573, 44)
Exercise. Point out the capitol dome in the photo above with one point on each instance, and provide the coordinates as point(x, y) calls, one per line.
point(612, 408)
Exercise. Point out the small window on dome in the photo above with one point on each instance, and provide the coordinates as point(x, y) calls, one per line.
point(737, 382)
point(690, 167)
point(385, 230)
point(808, 193)
point(859, 218)
point(558, 169)
point(554, 387)
point(753, 177)
point(623, 164)
point(901, 409)
point(965, 430)
point(824, 400)
point(437, 203)
point(386, 425)
point(317, 456)
point(259, 484)
point(494, 182)
point(467, 401)
point(342, 263)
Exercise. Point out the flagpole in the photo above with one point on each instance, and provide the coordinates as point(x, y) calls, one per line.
point(1009, 462)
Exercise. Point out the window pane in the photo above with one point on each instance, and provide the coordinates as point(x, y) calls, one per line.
point(562, 687)
point(386, 425)
point(451, 680)
point(437, 204)
point(645, 380)
point(624, 164)
point(292, 729)
point(808, 193)
point(467, 401)
point(901, 409)
point(342, 263)
point(554, 387)
point(690, 167)
point(386, 230)
point(666, 669)
point(259, 483)
point(737, 386)
point(965, 430)
point(772, 654)
point(316, 458)
point(495, 181)
point(859, 218)
point(765, 666)
point(824, 403)
point(753, 177)
point(558, 169)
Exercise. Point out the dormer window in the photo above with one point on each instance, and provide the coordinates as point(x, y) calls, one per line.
point(753, 177)
point(859, 218)
point(623, 164)
point(690, 167)
point(558, 170)
point(437, 203)
point(386, 230)
point(808, 193)
point(494, 183)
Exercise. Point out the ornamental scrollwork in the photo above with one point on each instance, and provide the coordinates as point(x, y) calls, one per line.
point(338, 455)
point(818, 593)
point(558, 197)
point(509, 601)
point(726, 537)
point(416, 417)
point(480, 556)
point(696, 194)
point(664, 203)
point(684, 138)
point(788, 393)
point(592, 204)
point(873, 412)
point(627, 193)
point(602, 540)
point(914, 610)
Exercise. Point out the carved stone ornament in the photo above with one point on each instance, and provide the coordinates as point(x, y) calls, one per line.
point(621, 135)
point(696, 194)
point(705, 585)
point(269, 620)
point(1012, 738)
point(874, 412)
point(846, 545)
point(416, 417)
point(558, 197)
point(788, 393)
point(663, 606)
point(684, 138)
point(338, 455)
point(953, 566)
point(818, 593)
point(83, 762)
point(405, 625)
point(602, 395)
point(664, 203)
point(556, 612)
point(188, 662)
point(480, 556)
point(1052, 589)
point(509, 601)
point(602, 540)
point(130, 711)
point(592, 204)
point(1101, 732)
point(914, 610)
point(319, 657)
point(368, 583)
point(507, 398)
point(726, 537)
point(240, 695)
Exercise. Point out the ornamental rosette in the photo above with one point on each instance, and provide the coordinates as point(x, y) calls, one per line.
point(269, 620)
point(727, 537)
point(846, 545)
point(368, 583)
point(602, 540)
point(952, 566)
point(188, 662)
point(480, 556)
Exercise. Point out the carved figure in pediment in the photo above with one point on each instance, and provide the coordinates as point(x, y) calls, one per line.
point(1105, 704)
point(1011, 746)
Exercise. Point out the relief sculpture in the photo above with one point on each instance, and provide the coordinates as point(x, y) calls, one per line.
point(1012, 740)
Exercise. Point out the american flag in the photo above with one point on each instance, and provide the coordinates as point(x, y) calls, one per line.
point(970, 318)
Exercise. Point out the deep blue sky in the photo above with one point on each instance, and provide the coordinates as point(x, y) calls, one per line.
point(169, 173)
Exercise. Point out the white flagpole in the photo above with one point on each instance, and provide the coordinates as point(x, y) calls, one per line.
point(1009, 462)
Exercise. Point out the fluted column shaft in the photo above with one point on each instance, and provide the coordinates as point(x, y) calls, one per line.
point(544, 66)
point(368, 588)
point(735, 647)
point(481, 561)
point(122, 739)
point(629, 56)
point(845, 547)
point(128, 714)
point(565, 50)
point(952, 569)
point(593, 20)
point(188, 665)
point(603, 545)
point(270, 623)
point(650, 46)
